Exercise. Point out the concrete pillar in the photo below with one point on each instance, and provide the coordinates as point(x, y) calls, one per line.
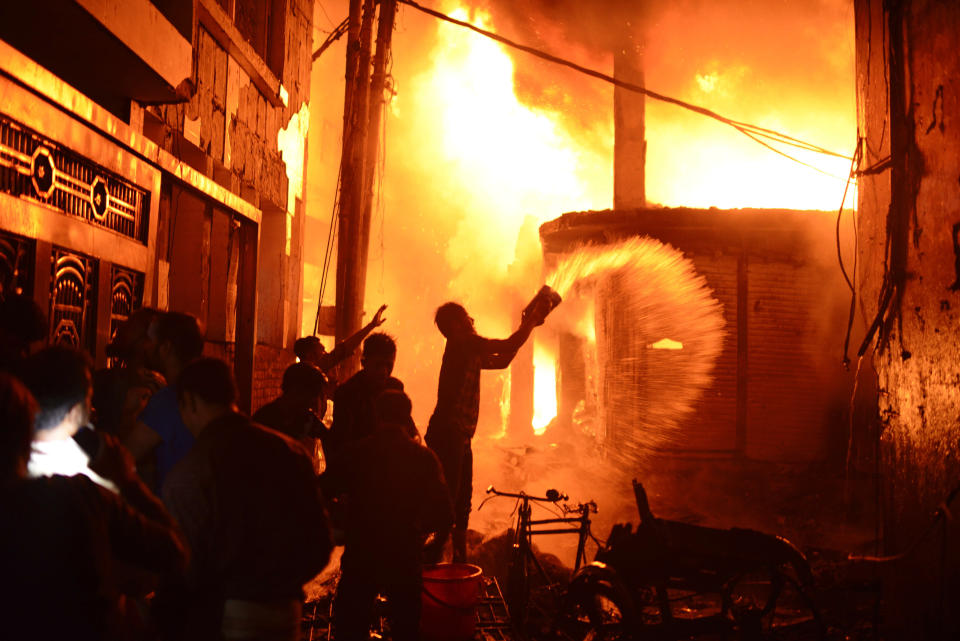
point(630, 145)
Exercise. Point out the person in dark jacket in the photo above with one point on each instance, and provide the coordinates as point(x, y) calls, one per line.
point(353, 417)
point(247, 500)
point(64, 538)
point(394, 497)
point(298, 411)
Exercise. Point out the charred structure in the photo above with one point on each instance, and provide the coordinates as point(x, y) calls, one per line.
point(778, 392)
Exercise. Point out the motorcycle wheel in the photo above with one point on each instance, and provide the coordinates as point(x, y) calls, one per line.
point(770, 605)
point(595, 609)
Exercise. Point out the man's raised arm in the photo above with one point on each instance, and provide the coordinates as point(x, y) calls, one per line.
point(350, 344)
point(498, 353)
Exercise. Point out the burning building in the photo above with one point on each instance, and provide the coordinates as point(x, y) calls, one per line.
point(153, 153)
point(777, 391)
point(485, 147)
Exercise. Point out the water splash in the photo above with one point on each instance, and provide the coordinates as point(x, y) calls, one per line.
point(646, 295)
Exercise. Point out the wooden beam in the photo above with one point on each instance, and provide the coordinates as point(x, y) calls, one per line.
point(246, 332)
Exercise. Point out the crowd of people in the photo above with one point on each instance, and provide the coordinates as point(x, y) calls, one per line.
point(138, 502)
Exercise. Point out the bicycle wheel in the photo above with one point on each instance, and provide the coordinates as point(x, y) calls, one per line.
point(771, 604)
point(596, 608)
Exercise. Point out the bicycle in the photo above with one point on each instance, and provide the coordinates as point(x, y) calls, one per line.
point(523, 561)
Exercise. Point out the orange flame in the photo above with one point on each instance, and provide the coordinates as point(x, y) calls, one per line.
point(544, 387)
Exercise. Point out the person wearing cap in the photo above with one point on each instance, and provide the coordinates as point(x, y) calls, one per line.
point(175, 339)
point(122, 391)
point(395, 497)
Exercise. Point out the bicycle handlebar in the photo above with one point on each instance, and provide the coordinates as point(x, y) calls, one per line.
point(581, 508)
point(553, 496)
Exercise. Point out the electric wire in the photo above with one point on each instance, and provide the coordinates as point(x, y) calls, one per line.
point(339, 31)
point(853, 170)
point(941, 514)
point(328, 252)
point(324, 10)
point(750, 130)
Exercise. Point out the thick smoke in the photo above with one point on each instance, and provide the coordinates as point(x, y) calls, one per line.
point(786, 66)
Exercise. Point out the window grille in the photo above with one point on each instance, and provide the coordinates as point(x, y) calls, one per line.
point(38, 169)
point(73, 300)
point(126, 296)
point(16, 264)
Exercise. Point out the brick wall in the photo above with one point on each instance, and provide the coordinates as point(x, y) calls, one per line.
point(269, 364)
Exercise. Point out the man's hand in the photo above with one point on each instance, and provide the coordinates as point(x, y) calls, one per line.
point(378, 318)
point(114, 462)
point(529, 320)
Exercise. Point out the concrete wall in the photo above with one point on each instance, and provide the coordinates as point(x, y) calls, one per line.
point(908, 83)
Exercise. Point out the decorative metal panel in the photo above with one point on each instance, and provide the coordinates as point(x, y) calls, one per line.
point(38, 169)
point(73, 299)
point(126, 295)
point(16, 264)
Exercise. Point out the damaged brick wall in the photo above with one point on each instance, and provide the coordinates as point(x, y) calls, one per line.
point(229, 119)
point(908, 84)
point(251, 143)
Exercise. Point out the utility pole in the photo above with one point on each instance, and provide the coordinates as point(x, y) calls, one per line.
point(363, 108)
point(388, 12)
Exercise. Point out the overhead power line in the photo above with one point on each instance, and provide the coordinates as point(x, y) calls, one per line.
point(754, 132)
point(333, 36)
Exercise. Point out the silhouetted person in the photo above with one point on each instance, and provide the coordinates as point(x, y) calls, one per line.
point(394, 496)
point(61, 538)
point(23, 325)
point(246, 498)
point(353, 417)
point(175, 340)
point(60, 381)
point(309, 349)
point(122, 391)
point(297, 412)
point(454, 420)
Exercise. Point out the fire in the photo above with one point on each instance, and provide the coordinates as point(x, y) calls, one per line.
point(544, 387)
point(666, 343)
point(504, 160)
point(466, 161)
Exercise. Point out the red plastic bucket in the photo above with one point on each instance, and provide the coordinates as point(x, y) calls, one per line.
point(450, 594)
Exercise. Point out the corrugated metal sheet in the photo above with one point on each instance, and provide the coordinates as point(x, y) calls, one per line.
point(787, 404)
point(713, 423)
